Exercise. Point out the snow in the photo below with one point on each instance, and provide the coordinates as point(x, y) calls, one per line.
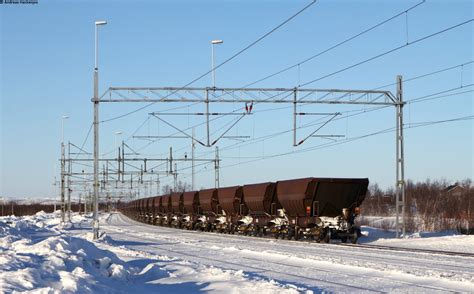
point(446, 241)
point(39, 255)
point(36, 254)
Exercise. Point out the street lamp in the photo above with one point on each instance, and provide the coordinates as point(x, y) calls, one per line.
point(214, 42)
point(97, 24)
point(95, 100)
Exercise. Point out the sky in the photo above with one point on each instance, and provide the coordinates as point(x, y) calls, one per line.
point(47, 60)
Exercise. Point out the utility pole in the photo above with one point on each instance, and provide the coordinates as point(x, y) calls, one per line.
point(95, 222)
point(400, 163)
point(193, 146)
point(175, 175)
point(79, 207)
point(85, 194)
point(69, 182)
point(54, 190)
point(216, 168)
point(295, 93)
point(207, 118)
point(157, 184)
point(63, 163)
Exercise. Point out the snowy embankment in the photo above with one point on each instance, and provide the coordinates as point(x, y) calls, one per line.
point(35, 254)
point(446, 240)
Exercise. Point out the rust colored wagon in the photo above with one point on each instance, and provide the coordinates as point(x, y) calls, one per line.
point(309, 208)
point(322, 208)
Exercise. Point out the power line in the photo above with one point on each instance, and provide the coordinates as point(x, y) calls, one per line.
point(427, 74)
point(85, 140)
point(386, 53)
point(221, 64)
point(429, 96)
point(330, 144)
point(334, 46)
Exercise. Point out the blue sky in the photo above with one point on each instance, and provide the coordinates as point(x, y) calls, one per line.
point(47, 56)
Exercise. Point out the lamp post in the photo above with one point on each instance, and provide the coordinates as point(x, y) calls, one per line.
point(95, 100)
point(214, 42)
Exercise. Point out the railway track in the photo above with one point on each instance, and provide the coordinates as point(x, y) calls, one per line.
point(418, 250)
point(368, 246)
point(318, 267)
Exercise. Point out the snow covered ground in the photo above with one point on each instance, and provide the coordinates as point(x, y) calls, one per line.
point(37, 255)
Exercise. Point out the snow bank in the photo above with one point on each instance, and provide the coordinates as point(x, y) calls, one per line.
point(37, 255)
point(446, 240)
point(34, 257)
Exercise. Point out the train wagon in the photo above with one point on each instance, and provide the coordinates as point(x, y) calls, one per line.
point(321, 208)
point(148, 210)
point(164, 210)
point(176, 209)
point(209, 204)
point(262, 209)
point(154, 209)
point(141, 210)
point(191, 209)
point(231, 207)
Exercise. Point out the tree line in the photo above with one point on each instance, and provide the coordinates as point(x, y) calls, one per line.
point(431, 205)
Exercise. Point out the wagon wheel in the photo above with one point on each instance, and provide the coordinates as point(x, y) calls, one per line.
point(343, 239)
point(355, 236)
point(260, 232)
point(327, 236)
point(291, 233)
point(298, 234)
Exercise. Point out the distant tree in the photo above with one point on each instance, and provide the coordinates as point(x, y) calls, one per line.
point(429, 205)
point(181, 187)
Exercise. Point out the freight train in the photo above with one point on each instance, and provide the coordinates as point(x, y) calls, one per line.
point(317, 209)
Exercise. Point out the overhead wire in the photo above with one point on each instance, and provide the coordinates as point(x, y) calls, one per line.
point(335, 46)
point(221, 64)
point(330, 144)
point(386, 53)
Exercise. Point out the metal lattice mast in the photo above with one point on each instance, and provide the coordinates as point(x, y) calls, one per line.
point(63, 163)
point(400, 163)
point(216, 167)
point(193, 147)
point(69, 170)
